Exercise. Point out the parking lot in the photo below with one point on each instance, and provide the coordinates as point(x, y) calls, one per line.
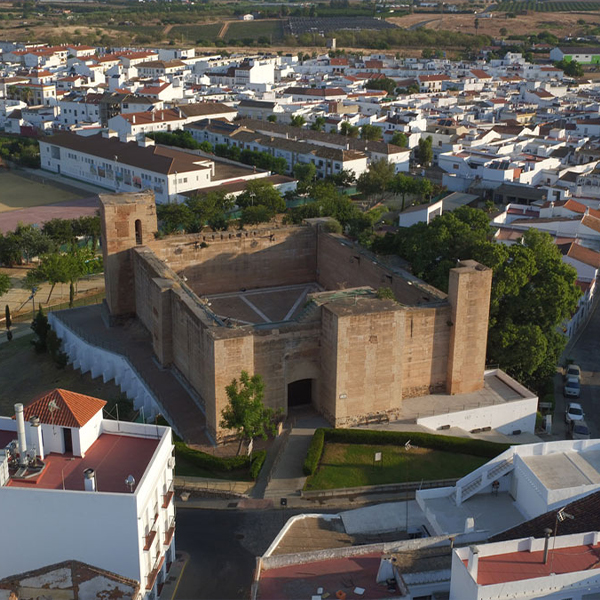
point(585, 353)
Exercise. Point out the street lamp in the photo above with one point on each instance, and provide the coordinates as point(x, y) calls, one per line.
point(32, 298)
point(561, 515)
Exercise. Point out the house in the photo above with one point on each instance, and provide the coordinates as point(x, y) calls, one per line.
point(582, 54)
point(129, 125)
point(70, 578)
point(108, 486)
point(259, 109)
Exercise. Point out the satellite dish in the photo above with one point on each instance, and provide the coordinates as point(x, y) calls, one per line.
point(130, 482)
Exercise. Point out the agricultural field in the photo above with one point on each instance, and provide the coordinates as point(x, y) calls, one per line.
point(241, 30)
point(559, 24)
point(564, 6)
point(193, 33)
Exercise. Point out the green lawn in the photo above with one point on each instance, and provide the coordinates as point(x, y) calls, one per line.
point(351, 465)
point(272, 30)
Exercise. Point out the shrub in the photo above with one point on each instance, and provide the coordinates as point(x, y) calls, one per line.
point(315, 450)
point(258, 460)
point(210, 462)
point(332, 226)
point(424, 440)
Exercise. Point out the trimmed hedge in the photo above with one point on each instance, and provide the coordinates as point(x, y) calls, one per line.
point(423, 440)
point(315, 450)
point(258, 460)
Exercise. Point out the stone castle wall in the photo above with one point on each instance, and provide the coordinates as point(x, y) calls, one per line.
point(363, 355)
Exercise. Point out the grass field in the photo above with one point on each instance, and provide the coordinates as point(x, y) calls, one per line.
point(25, 375)
point(351, 465)
point(193, 33)
point(20, 192)
point(254, 30)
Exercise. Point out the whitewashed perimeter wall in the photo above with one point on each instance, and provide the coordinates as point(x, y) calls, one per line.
point(100, 362)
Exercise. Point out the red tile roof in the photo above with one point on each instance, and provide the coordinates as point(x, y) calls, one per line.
point(74, 410)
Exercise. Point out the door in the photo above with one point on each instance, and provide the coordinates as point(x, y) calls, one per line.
point(68, 439)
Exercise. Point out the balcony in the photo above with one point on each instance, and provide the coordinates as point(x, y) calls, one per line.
point(151, 578)
point(168, 496)
point(148, 539)
point(170, 531)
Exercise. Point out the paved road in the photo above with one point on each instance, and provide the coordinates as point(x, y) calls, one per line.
point(585, 353)
point(222, 546)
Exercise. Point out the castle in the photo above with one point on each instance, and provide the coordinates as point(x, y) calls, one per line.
point(297, 305)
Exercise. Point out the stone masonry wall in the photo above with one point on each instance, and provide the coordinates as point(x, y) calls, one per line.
point(246, 259)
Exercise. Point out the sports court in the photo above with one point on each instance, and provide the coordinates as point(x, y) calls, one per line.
point(17, 192)
point(263, 305)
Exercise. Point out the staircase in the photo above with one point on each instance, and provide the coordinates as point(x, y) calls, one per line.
point(479, 479)
point(310, 313)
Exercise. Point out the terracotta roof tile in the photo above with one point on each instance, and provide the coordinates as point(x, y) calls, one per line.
point(74, 410)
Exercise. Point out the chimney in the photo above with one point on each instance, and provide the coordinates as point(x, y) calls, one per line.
point(20, 418)
point(35, 437)
point(473, 563)
point(89, 480)
point(133, 119)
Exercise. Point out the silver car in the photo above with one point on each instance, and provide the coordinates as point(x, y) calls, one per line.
point(572, 371)
point(580, 430)
point(572, 388)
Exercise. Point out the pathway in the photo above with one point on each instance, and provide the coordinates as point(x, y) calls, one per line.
point(133, 341)
point(287, 478)
point(223, 30)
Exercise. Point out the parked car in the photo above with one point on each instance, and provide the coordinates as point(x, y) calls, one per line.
point(572, 371)
point(574, 412)
point(579, 430)
point(572, 388)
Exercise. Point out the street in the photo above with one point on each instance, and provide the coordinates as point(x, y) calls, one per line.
point(586, 353)
point(222, 545)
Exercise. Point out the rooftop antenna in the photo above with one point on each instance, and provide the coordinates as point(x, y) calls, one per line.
point(52, 408)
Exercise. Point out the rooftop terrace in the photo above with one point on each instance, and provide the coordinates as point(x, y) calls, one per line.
point(113, 458)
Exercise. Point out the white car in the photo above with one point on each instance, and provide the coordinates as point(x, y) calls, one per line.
point(574, 412)
point(572, 371)
point(580, 430)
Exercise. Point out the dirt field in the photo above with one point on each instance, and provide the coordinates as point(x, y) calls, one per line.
point(19, 192)
point(534, 22)
point(25, 375)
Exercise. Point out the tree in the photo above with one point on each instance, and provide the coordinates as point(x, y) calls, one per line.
point(378, 179)
point(254, 215)
point(40, 327)
point(318, 124)
point(173, 217)
point(503, 31)
point(349, 130)
point(370, 133)
point(533, 290)
point(32, 241)
point(344, 178)
point(297, 121)
point(210, 208)
point(425, 151)
point(5, 284)
point(400, 139)
point(403, 185)
point(59, 230)
point(571, 67)
point(261, 193)
point(272, 118)
point(305, 173)
point(246, 414)
point(424, 188)
point(384, 83)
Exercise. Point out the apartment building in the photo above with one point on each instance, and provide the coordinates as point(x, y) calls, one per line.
point(106, 488)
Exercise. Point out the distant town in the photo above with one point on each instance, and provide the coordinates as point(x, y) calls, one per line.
point(311, 315)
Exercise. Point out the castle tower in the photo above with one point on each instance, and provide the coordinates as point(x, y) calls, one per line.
point(127, 220)
point(469, 292)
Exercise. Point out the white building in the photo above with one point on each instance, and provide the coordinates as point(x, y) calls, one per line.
point(557, 568)
point(105, 161)
point(73, 484)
